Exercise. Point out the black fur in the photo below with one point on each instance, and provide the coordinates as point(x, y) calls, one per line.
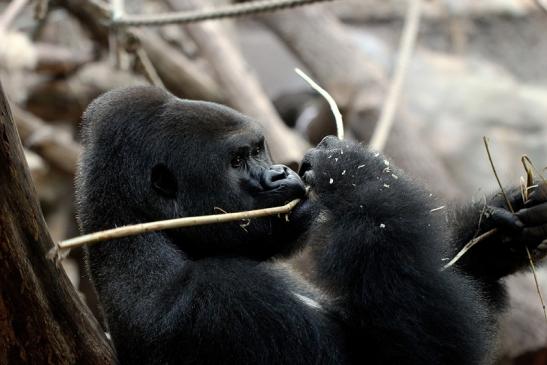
point(216, 294)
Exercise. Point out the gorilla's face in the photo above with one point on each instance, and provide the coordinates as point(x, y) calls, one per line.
point(219, 162)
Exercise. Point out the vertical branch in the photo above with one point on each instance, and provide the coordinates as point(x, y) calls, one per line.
point(408, 40)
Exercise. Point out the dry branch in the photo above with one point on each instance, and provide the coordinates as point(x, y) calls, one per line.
point(180, 74)
point(408, 39)
point(136, 229)
point(54, 145)
point(218, 12)
point(59, 61)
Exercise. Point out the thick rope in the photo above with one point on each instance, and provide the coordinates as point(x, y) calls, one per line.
point(228, 11)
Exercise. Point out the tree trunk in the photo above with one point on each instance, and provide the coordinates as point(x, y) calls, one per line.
point(42, 319)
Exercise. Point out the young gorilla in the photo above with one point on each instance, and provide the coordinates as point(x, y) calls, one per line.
point(214, 294)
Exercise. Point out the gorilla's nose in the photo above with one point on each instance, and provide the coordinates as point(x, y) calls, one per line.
point(275, 173)
point(282, 177)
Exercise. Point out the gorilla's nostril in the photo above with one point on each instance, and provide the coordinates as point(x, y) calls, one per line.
point(278, 172)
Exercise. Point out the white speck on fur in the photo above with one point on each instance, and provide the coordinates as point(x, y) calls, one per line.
point(331, 180)
point(439, 208)
point(344, 172)
point(395, 176)
point(360, 166)
point(386, 186)
point(308, 301)
point(382, 225)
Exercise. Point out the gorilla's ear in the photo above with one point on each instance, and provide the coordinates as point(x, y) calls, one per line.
point(164, 181)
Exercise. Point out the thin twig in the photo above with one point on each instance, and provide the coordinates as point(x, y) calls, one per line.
point(136, 229)
point(485, 140)
point(148, 67)
point(220, 12)
point(330, 100)
point(468, 246)
point(534, 274)
point(530, 260)
point(529, 166)
point(476, 239)
point(408, 40)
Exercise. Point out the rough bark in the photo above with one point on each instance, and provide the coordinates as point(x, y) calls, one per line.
point(42, 319)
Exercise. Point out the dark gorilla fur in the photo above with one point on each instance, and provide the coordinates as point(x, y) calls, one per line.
point(216, 295)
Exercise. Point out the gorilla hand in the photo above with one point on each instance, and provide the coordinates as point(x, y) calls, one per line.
point(345, 174)
point(527, 226)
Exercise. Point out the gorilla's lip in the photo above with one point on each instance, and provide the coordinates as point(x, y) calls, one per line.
point(308, 178)
point(311, 194)
point(304, 168)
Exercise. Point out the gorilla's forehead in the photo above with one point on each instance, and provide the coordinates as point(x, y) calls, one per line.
point(211, 119)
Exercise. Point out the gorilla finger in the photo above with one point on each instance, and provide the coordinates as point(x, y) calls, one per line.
point(537, 232)
point(542, 246)
point(503, 218)
point(534, 215)
point(540, 251)
point(328, 142)
point(538, 194)
point(513, 194)
point(308, 162)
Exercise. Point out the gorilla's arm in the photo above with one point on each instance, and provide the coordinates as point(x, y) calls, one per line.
point(377, 250)
point(501, 252)
point(165, 309)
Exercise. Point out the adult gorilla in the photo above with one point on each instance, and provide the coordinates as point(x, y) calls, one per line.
point(214, 294)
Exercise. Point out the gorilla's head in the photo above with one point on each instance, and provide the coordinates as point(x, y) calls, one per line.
point(151, 156)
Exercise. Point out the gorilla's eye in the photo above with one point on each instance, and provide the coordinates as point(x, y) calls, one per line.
point(164, 181)
point(237, 161)
point(256, 151)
